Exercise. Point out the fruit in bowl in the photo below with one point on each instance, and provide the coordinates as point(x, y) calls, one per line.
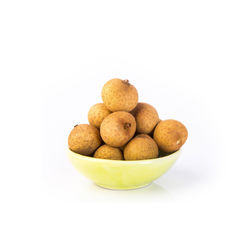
point(126, 145)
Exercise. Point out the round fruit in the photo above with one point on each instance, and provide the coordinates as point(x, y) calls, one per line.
point(142, 147)
point(119, 95)
point(118, 128)
point(97, 113)
point(170, 135)
point(84, 139)
point(146, 118)
point(107, 152)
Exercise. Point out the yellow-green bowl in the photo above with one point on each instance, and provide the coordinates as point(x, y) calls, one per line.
point(113, 174)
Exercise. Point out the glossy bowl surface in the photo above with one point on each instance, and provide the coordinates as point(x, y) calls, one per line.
point(114, 174)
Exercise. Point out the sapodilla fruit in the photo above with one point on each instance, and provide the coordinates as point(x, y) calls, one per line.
point(141, 147)
point(108, 152)
point(97, 113)
point(84, 139)
point(118, 128)
point(119, 95)
point(170, 135)
point(146, 118)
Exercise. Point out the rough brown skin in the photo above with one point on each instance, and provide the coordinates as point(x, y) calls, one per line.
point(118, 128)
point(119, 95)
point(146, 118)
point(84, 139)
point(107, 152)
point(151, 134)
point(97, 113)
point(142, 147)
point(170, 135)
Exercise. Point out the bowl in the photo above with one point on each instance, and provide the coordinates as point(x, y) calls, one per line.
point(114, 174)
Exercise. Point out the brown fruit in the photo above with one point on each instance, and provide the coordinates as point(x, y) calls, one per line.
point(170, 135)
point(146, 118)
point(107, 152)
point(97, 113)
point(84, 139)
point(118, 128)
point(142, 147)
point(119, 95)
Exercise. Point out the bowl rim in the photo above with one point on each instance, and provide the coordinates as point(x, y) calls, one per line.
point(90, 158)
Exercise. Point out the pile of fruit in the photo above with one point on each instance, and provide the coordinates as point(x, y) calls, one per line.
point(120, 128)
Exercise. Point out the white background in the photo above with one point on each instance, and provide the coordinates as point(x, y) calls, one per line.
point(189, 59)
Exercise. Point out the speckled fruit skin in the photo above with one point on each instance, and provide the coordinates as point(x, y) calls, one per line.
point(146, 118)
point(142, 147)
point(170, 135)
point(108, 152)
point(119, 95)
point(97, 113)
point(84, 139)
point(118, 128)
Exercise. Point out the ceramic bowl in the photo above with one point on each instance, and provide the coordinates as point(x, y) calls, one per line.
point(113, 174)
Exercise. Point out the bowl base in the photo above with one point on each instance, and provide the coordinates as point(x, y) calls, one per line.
point(122, 188)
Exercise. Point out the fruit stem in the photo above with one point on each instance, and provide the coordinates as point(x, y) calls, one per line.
point(126, 81)
point(127, 125)
point(76, 125)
